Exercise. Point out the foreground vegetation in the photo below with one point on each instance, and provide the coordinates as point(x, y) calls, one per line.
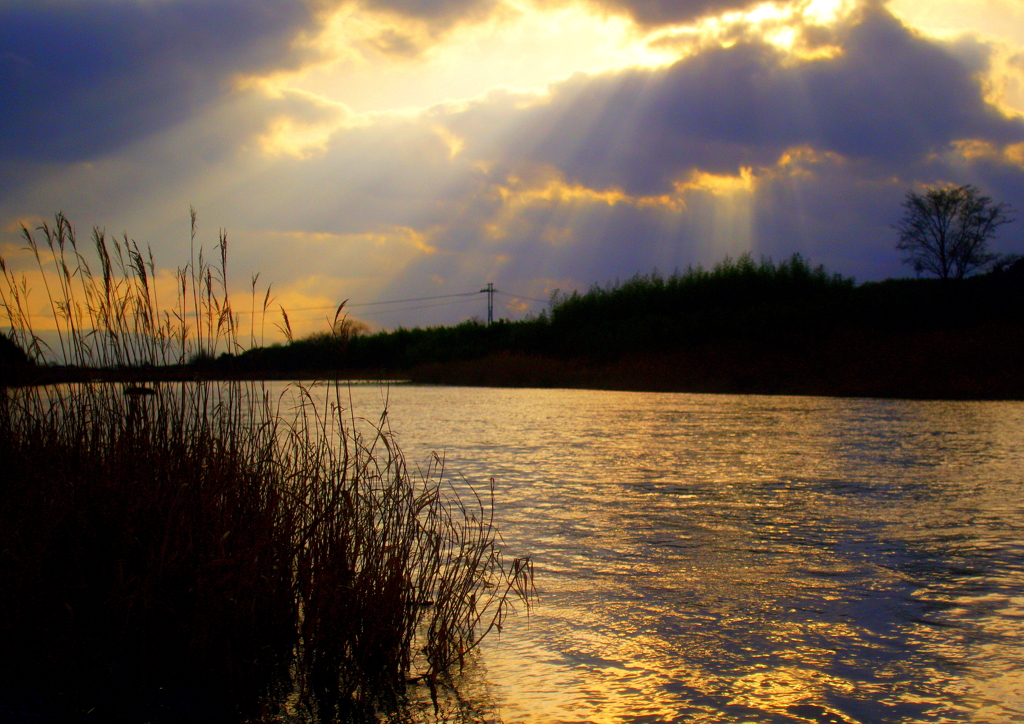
point(202, 552)
point(743, 326)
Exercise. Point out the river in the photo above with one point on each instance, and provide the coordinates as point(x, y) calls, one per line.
point(719, 558)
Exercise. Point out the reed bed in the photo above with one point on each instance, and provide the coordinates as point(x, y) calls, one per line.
point(202, 551)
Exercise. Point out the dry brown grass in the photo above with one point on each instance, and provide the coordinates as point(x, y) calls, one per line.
point(200, 551)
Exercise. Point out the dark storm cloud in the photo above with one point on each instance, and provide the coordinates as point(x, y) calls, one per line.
point(889, 98)
point(393, 42)
point(440, 12)
point(666, 12)
point(83, 78)
point(647, 12)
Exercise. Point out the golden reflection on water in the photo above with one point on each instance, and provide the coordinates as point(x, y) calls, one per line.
point(744, 559)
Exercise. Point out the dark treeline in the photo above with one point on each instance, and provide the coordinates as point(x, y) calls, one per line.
point(743, 326)
point(646, 313)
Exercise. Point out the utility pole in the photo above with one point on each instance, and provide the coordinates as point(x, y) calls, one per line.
point(490, 302)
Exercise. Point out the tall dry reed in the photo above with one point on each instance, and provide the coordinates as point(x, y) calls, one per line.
point(200, 550)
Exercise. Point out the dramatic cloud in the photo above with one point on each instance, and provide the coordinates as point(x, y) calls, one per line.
point(647, 12)
point(890, 98)
point(439, 11)
point(394, 150)
point(669, 12)
point(84, 78)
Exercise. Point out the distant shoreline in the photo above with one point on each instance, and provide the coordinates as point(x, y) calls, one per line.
point(918, 370)
point(666, 374)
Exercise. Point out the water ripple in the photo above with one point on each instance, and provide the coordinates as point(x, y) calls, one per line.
point(724, 558)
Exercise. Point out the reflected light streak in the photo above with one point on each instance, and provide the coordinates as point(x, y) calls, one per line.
point(736, 559)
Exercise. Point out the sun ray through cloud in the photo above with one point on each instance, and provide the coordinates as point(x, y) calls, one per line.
point(523, 140)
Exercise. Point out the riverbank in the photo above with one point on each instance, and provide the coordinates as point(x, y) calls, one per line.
point(983, 363)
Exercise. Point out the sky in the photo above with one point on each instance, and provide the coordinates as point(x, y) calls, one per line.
point(382, 150)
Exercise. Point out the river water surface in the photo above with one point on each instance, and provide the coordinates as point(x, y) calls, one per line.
point(716, 558)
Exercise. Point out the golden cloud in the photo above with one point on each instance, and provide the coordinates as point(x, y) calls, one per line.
point(28, 222)
point(970, 150)
point(719, 184)
point(552, 188)
point(801, 30)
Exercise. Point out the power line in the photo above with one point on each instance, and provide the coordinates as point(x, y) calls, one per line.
point(374, 304)
point(414, 299)
point(409, 309)
point(522, 296)
point(490, 291)
point(379, 312)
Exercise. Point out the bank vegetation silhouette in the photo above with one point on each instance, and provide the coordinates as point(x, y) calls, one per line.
point(743, 326)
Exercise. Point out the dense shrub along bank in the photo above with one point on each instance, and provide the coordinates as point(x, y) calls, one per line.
point(742, 326)
point(647, 312)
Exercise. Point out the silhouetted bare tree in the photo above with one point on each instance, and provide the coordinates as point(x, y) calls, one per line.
point(945, 231)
